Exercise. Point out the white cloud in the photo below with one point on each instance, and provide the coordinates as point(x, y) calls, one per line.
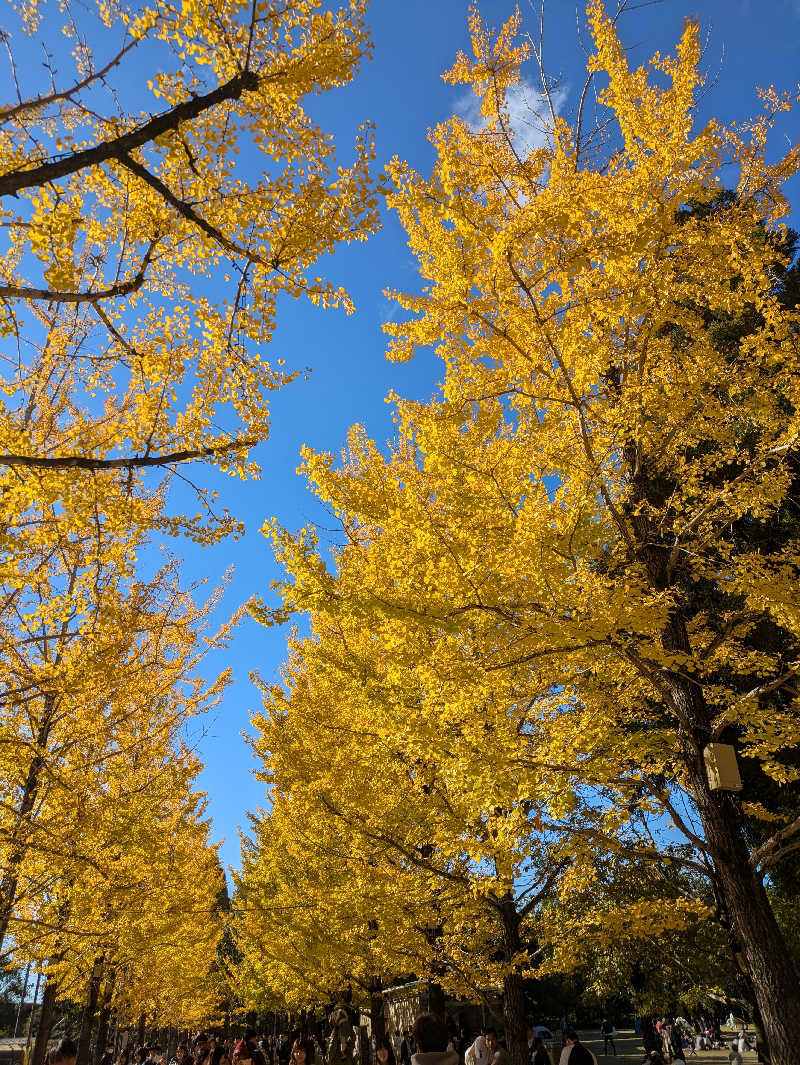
point(528, 112)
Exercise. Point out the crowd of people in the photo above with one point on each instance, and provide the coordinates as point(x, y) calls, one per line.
point(681, 1042)
point(432, 1041)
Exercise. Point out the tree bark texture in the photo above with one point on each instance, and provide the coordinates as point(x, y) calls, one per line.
point(514, 1019)
point(774, 979)
point(377, 1019)
point(436, 998)
point(18, 842)
point(45, 1023)
point(104, 1019)
point(87, 1022)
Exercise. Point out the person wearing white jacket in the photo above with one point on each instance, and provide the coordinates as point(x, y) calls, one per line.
point(479, 1053)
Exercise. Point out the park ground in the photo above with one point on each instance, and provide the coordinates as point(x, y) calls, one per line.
point(629, 1050)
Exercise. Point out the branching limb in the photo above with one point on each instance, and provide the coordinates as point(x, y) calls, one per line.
point(184, 209)
point(15, 182)
point(84, 462)
point(120, 288)
point(776, 847)
point(38, 102)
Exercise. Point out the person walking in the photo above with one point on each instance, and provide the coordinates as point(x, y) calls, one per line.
point(217, 1055)
point(182, 1056)
point(66, 1053)
point(574, 1052)
point(498, 1054)
point(342, 1042)
point(608, 1032)
point(200, 1048)
point(284, 1052)
point(302, 1052)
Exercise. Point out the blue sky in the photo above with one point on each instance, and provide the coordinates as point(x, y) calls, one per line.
point(401, 91)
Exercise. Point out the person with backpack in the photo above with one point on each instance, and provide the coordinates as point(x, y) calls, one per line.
point(608, 1032)
point(574, 1052)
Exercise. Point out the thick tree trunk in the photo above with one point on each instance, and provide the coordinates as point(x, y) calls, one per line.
point(104, 1019)
point(765, 952)
point(749, 995)
point(377, 1019)
point(45, 1023)
point(101, 1042)
point(514, 1019)
point(87, 1021)
point(437, 1001)
point(17, 843)
point(775, 982)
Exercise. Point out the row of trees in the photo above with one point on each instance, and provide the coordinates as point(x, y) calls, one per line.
point(149, 227)
point(570, 576)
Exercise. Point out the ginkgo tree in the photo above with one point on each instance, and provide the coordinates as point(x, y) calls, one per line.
point(156, 200)
point(95, 661)
point(105, 853)
point(126, 919)
point(102, 680)
point(158, 196)
point(388, 854)
point(579, 524)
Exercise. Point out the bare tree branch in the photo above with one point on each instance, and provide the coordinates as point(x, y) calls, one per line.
point(778, 845)
point(38, 102)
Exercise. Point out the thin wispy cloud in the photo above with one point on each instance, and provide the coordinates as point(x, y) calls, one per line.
point(528, 114)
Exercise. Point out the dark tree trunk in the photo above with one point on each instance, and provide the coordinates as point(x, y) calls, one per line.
point(436, 998)
point(104, 1020)
point(101, 1042)
point(514, 1019)
point(140, 1030)
point(87, 1021)
point(774, 979)
point(45, 1023)
point(377, 1020)
point(17, 842)
point(773, 976)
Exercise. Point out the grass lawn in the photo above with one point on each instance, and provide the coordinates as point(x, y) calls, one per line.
point(629, 1050)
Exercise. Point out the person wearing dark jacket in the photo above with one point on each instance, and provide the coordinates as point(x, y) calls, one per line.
point(284, 1052)
point(574, 1052)
point(540, 1055)
point(250, 1040)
